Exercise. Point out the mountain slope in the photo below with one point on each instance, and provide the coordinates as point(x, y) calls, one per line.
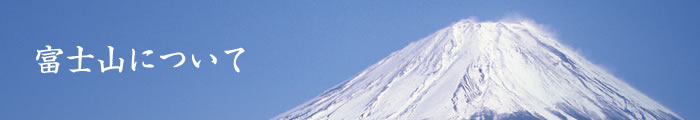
point(483, 70)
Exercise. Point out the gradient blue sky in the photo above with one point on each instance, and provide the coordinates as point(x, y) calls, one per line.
point(297, 49)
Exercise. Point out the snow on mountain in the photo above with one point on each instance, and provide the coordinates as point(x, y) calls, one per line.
point(483, 70)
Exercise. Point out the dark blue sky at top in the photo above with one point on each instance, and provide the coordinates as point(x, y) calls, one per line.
point(297, 49)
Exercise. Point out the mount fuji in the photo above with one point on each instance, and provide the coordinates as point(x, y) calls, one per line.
point(508, 69)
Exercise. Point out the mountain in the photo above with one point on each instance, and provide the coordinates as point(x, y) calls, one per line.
point(483, 70)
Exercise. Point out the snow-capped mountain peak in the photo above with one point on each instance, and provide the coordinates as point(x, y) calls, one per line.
point(483, 70)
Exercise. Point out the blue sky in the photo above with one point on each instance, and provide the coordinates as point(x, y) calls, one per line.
point(297, 49)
